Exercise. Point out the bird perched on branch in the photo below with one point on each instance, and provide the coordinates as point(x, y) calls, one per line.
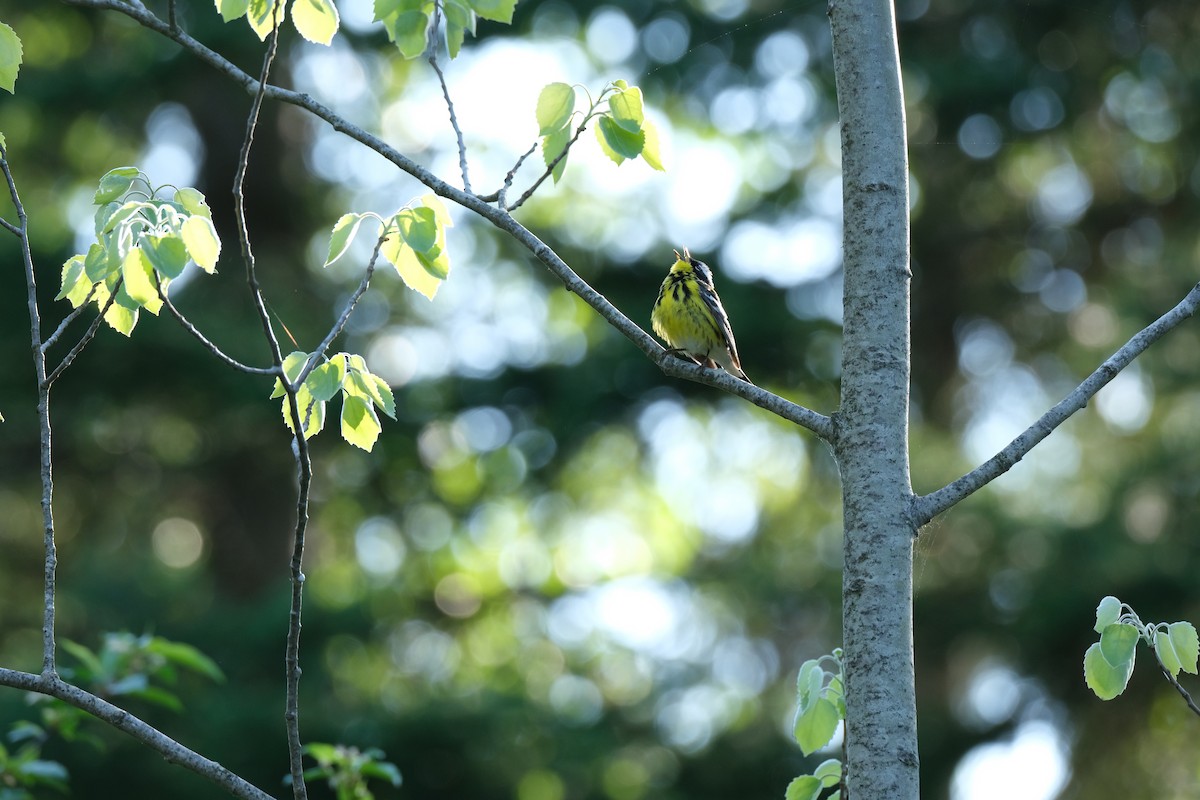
point(689, 316)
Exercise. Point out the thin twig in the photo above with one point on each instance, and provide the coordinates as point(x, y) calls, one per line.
point(315, 357)
point(433, 53)
point(212, 348)
point(171, 750)
point(500, 196)
point(1187, 698)
point(86, 339)
point(549, 170)
point(8, 226)
point(171, 15)
point(67, 320)
point(50, 555)
point(818, 423)
point(929, 506)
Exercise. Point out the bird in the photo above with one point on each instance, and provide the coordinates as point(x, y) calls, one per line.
point(689, 317)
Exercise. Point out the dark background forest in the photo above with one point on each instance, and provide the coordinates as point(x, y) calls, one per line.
point(560, 574)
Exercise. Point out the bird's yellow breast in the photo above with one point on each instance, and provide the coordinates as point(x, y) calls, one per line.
point(681, 317)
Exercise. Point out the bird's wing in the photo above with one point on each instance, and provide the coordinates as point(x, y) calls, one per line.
point(718, 311)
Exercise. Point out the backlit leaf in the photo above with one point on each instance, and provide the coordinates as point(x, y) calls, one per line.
point(316, 20)
point(555, 105)
point(10, 58)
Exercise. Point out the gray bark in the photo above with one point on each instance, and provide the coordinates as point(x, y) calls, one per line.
point(872, 425)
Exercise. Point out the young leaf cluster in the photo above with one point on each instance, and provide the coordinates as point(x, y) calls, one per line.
point(407, 21)
point(622, 130)
point(362, 392)
point(820, 706)
point(142, 244)
point(22, 770)
point(126, 666)
point(347, 769)
point(1108, 663)
point(414, 242)
point(138, 666)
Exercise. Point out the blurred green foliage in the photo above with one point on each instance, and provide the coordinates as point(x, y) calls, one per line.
point(559, 575)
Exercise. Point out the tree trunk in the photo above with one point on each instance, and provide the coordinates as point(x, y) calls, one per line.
point(872, 439)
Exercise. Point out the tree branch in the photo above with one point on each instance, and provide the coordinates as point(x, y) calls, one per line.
point(212, 348)
point(86, 339)
point(171, 750)
point(1171, 679)
point(433, 51)
point(929, 506)
point(499, 196)
point(291, 713)
point(528, 193)
point(67, 320)
point(50, 558)
point(351, 304)
point(500, 218)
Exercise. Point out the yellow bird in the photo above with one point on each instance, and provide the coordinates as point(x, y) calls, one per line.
point(689, 316)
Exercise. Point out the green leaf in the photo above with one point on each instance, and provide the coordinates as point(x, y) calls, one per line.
point(316, 20)
point(627, 109)
point(829, 772)
point(342, 235)
point(371, 387)
point(138, 273)
point(421, 271)
point(1118, 642)
point(620, 84)
point(96, 263)
point(555, 105)
point(193, 202)
point(326, 380)
point(1104, 679)
point(90, 661)
point(495, 10)
point(263, 17)
point(159, 697)
point(293, 363)
point(187, 656)
point(618, 143)
point(10, 58)
point(115, 183)
point(435, 204)
point(202, 243)
point(651, 153)
point(312, 413)
point(232, 9)
point(552, 146)
point(167, 254)
point(806, 787)
point(408, 31)
point(459, 20)
point(1165, 651)
point(384, 771)
point(816, 725)
point(75, 283)
point(122, 214)
point(387, 403)
point(360, 426)
point(385, 8)
point(808, 683)
point(418, 226)
point(1108, 612)
point(1184, 640)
